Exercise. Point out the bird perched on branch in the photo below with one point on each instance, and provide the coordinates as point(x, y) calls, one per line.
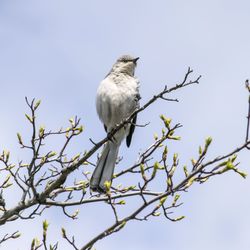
point(117, 98)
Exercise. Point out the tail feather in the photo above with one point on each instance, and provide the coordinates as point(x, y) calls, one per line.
point(109, 165)
point(105, 166)
point(97, 174)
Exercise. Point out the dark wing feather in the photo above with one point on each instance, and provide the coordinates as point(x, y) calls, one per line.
point(105, 127)
point(131, 131)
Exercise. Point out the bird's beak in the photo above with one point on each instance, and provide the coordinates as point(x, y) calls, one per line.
point(136, 59)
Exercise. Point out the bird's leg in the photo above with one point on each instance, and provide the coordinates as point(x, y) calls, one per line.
point(110, 136)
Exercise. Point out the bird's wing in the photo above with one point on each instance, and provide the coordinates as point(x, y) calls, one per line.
point(105, 127)
point(132, 127)
point(131, 131)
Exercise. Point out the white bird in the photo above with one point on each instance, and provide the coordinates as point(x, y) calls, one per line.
point(117, 97)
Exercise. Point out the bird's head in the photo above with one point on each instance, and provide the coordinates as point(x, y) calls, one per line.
point(125, 64)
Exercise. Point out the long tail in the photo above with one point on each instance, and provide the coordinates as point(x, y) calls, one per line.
point(105, 167)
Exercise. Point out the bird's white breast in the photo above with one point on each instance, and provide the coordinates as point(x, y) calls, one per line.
point(116, 98)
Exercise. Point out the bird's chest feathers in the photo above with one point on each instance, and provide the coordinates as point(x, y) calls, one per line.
point(116, 99)
point(120, 90)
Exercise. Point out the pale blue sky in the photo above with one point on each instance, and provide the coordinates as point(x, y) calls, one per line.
point(60, 50)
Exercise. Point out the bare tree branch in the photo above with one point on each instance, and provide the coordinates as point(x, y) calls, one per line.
point(42, 180)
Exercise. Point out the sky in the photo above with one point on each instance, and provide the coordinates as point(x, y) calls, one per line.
point(59, 51)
